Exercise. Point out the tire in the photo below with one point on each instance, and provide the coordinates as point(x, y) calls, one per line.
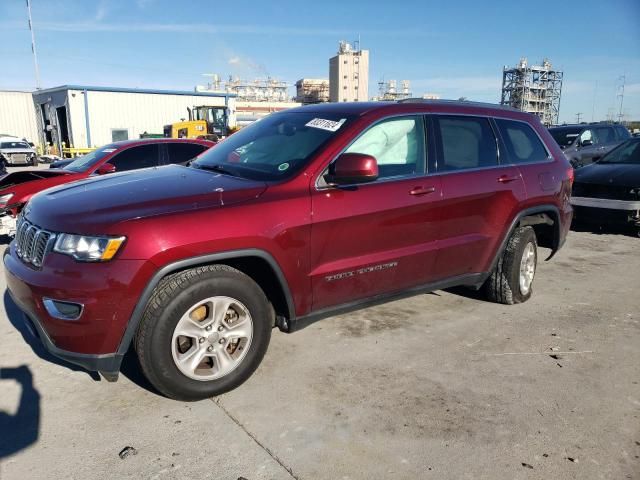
point(171, 310)
point(504, 285)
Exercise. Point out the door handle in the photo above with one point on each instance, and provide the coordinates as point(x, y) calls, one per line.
point(417, 191)
point(508, 178)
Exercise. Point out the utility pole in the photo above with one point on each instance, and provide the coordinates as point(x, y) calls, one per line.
point(33, 46)
point(578, 115)
point(620, 95)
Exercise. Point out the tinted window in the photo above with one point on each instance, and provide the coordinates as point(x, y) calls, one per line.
point(183, 152)
point(628, 152)
point(85, 162)
point(143, 156)
point(623, 133)
point(565, 136)
point(397, 144)
point(466, 142)
point(603, 135)
point(522, 143)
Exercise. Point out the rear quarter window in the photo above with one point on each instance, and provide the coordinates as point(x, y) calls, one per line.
point(523, 144)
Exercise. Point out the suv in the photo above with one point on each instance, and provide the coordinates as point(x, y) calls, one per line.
point(307, 213)
point(16, 151)
point(585, 143)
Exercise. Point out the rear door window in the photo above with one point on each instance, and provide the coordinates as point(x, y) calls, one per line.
point(142, 156)
point(622, 133)
point(603, 135)
point(465, 143)
point(523, 144)
point(183, 152)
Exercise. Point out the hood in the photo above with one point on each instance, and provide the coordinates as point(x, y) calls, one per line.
point(17, 178)
point(615, 174)
point(17, 150)
point(95, 205)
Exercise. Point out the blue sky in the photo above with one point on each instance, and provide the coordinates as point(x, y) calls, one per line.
point(452, 48)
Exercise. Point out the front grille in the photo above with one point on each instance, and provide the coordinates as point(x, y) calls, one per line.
point(32, 243)
point(18, 158)
point(611, 192)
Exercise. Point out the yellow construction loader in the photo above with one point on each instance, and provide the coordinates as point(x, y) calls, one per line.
point(205, 121)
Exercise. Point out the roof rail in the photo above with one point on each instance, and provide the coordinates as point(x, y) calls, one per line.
point(457, 102)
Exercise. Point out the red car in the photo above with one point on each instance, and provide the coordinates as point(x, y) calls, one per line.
point(18, 187)
point(306, 213)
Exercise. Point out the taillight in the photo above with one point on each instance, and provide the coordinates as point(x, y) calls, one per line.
point(571, 175)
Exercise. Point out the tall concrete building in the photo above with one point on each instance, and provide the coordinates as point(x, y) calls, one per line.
point(349, 75)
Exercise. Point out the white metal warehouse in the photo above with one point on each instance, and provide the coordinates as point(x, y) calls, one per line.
point(86, 116)
point(17, 115)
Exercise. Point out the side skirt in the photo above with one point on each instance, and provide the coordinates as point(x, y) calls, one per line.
point(473, 280)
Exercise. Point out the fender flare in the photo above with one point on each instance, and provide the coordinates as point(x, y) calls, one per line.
point(523, 213)
point(138, 311)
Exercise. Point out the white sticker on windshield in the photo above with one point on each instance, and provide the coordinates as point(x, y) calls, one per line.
point(330, 125)
point(109, 150)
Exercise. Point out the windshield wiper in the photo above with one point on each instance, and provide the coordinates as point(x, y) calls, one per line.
point(214, 168)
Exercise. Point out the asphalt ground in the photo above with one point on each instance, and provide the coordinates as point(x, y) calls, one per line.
point(442, 385)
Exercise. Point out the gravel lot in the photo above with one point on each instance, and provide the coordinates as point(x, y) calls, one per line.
point(439, 386)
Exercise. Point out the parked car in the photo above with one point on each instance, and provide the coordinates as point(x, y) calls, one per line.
point(306, 213)
point(608, 191)
point(585, 144)
point(18, 187)
point(15, 151)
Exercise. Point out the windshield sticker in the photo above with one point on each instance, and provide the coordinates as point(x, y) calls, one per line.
point(109, 150)
point(283, 166)
point(322, 124)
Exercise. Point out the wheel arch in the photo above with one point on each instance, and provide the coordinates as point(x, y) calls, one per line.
point(545, 220)
point(257, 264)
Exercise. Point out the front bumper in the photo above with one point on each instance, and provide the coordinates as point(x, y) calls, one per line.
point(629, 205)
point(108, 292)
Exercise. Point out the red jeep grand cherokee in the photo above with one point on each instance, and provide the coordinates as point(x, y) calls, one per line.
point(309, 212)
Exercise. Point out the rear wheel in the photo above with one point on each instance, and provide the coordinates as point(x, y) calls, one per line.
point(204, 332)
point(512, 279)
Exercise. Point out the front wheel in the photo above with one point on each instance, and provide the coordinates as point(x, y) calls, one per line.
point(204, 332)
point(512, 279)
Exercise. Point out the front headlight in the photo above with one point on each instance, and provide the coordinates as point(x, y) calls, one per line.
point(4, 199)
point(88, 249)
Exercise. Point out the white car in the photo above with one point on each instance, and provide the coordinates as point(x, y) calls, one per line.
point(17, 151)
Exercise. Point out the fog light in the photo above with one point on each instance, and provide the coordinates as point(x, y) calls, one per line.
point(63, 310)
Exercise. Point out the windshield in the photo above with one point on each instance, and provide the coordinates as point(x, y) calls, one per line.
point(14, 145)
point(565, 136)
point(212, 115)
point(628, 152)
point(274, 147)
point(85, 162)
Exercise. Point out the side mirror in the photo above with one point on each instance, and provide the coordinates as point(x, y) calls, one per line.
point(586, 143)
point(106, 168)
point(351, 168)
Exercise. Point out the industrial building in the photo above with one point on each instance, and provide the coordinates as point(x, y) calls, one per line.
point(349, 74)
point(389, 91)
point(17, 115)
point(85, 116)
point(534, 89)
point(312, 90)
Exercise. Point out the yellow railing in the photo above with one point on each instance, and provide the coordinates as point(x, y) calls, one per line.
point(71, 152)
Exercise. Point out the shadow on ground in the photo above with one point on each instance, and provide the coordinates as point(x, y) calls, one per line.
point(600, 229)
point(131, 369)
point(16, 317)
point(21, 429)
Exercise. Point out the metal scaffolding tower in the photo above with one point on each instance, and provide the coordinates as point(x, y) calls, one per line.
point(534, 89)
